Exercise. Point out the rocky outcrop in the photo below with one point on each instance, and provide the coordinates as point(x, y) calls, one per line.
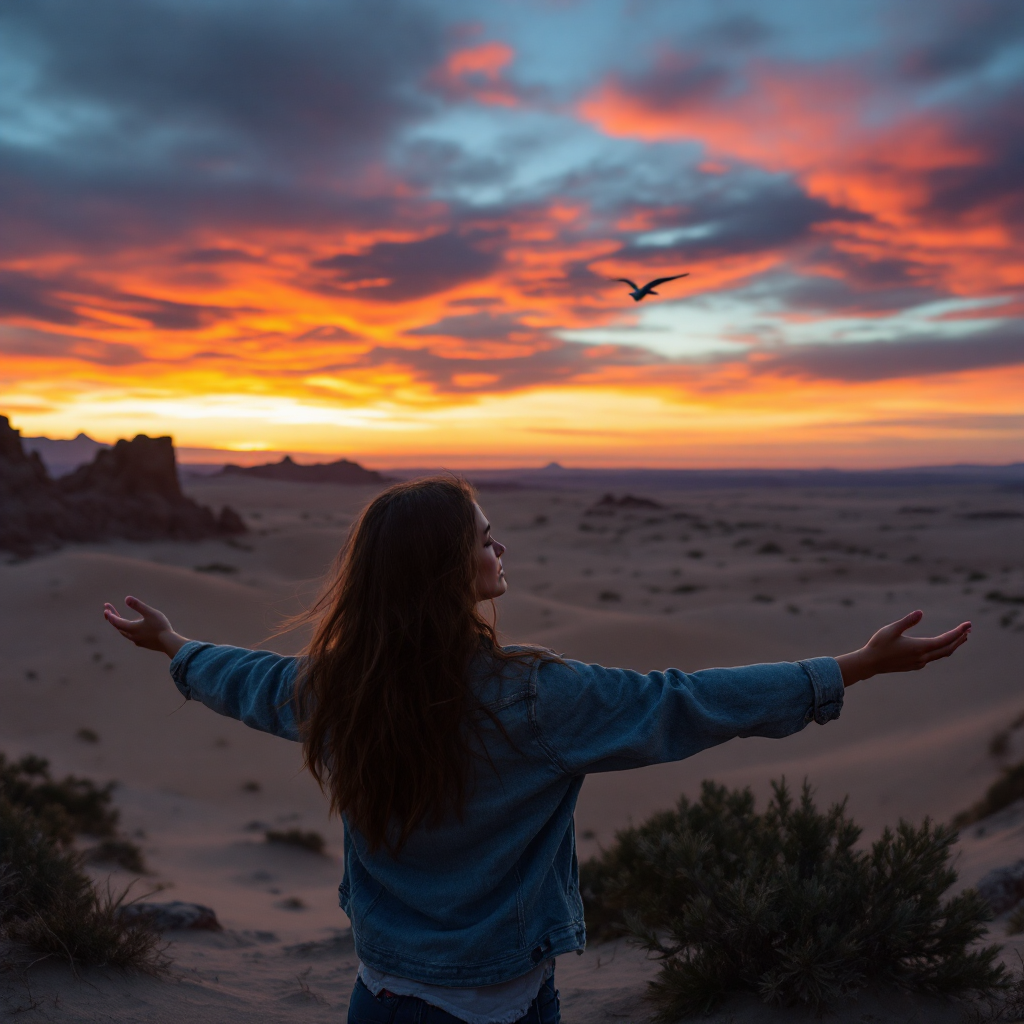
point(173, 916)
point(131, 491)
point(1003, 888)
point(340, 472)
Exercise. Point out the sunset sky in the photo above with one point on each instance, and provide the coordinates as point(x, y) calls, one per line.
point(386, 230)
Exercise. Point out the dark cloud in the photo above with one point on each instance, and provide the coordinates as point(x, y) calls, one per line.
point(54, 302)
point(743, 29)
point(551, 361)
point(308, 77)
point(966, 40)
point(752, 213)
point(434, 162)
point(216, 257)
point(886, 360)
point(996, 129)
point(482, 326)
point(414, 269)
point(215, 115)
point(25, 296)
point(480, 302)
point(171, 316)
point(678, 80)
point(28, 341)
point(53, 201)
point(860, 289)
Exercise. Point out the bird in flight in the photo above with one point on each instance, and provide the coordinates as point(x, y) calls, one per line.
point(639, 293)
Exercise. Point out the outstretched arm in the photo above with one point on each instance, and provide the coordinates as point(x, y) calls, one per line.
point(890, 651)
point(255, 687)
point(592, 719)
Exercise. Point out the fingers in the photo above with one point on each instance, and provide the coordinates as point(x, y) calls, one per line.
point(944, 652)
point(911, 619)
point(118, 621)
point(145, 610)
point(933, 643)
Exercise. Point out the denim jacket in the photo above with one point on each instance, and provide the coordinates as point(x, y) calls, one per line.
point(485, 898)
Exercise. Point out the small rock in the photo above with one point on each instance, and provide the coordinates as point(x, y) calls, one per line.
point(1003, 888)
point(173, 916)
point(627, 501)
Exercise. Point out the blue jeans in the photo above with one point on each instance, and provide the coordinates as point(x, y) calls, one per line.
point(366, 1008)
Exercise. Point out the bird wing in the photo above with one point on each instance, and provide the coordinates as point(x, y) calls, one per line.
point(626, 280)
point(662, 280)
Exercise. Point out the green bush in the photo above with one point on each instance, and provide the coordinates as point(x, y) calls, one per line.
point(72, 806)
point(68, 808)
point(312, 841)
point(122, 852)
point(1007, 789)
point(782, 904)
point(49, 907)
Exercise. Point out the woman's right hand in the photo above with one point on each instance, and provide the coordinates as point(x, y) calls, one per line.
point(153, 631)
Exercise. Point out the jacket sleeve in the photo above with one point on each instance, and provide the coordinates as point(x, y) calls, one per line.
point(595, 719)
point(256, 687)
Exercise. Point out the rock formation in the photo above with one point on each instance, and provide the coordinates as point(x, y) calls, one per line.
point(340, 472)
point(130, 491)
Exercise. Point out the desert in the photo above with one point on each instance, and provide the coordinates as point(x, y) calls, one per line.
point(718, 306)
point(687, 577)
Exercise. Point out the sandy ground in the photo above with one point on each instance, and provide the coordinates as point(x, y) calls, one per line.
point(715, 578)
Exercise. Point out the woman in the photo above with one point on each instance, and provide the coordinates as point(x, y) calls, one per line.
point(455, 763)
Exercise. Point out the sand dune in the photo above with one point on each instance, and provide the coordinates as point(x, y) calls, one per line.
point(713, 578)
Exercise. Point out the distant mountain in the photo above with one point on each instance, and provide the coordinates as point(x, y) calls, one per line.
point(1009, 477)
point(60, 456)
point(340, 472)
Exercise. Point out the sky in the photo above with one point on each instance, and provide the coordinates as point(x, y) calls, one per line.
point(391, 230)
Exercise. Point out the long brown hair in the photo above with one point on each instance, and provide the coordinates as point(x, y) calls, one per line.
point(385, 699)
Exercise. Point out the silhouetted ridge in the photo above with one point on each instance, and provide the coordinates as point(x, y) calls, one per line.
point(130, 491)
point(341, 472)
point(61, 456)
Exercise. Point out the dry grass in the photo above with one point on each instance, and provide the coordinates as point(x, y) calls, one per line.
point(49, 907)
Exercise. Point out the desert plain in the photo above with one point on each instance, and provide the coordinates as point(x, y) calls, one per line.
point(692, 579)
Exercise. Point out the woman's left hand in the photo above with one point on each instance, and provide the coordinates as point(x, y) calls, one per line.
point(153, 631)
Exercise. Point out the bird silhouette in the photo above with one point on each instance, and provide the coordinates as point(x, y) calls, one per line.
point(639, 293)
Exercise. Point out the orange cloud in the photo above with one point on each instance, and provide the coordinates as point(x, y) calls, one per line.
point(476, 72)
point(822, 126)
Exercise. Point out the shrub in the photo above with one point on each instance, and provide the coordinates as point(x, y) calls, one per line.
point(122, 852)
point(1007, 789)
point(782, 905)
point(1015, 922)
point(312, 841)
point(49, 907)
point(217, 567)
point(71, 806)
